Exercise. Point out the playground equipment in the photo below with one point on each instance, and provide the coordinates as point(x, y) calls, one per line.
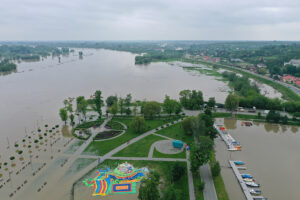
point(177, 144)
point(123, 179)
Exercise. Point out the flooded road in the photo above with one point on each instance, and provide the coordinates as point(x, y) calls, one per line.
point(271, 154)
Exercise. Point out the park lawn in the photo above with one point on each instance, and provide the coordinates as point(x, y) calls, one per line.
point(140, 148)
point(115, 125)
point(160, 167)
point(102, 147)
point(197, 181)
point(219, 183)
point(157, 154)
point(175, 131)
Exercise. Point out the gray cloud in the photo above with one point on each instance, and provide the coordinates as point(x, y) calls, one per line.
point(149, 19)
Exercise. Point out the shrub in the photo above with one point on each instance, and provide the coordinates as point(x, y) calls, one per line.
point(215, 169)
point(177, 171)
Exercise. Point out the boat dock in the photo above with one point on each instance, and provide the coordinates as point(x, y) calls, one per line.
point(231, 143)
point(242, 183)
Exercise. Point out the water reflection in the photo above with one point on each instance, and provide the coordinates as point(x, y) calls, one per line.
point(271, 157)
point(230, 123)
point(294, 129)
point(66, 132)
point(271, 127)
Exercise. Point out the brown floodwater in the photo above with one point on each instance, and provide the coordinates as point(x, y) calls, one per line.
point(271, 154)
point(34, 95)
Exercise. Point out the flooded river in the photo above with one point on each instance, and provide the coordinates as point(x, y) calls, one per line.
point(271, 153)
point(34, 95)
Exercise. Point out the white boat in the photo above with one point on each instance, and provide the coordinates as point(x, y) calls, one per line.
point(248, 179)
point(241, 168)
point(255, 191)
point(252, 184)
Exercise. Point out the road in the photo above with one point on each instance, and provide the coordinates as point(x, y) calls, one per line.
point(209, 191)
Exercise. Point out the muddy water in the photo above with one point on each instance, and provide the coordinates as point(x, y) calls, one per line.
point(271, 153)
point(34, 95)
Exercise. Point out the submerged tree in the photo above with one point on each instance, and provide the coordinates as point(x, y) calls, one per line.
point(63, 115)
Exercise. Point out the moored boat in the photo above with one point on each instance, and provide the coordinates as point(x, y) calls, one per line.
point(246, 176)
point(238, 162)
point(252, 184)
point(255, 191)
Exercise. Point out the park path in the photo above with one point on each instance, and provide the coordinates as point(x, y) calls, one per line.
point(67, 180)
point(209, 191)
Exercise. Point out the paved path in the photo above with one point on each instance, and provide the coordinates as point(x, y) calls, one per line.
point(209, 191)
point(190, 178)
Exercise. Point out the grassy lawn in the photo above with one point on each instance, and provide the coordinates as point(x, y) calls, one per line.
point(157, 154)
point(115, 125)
point(197, 182)
point(175, 131)
point(219, 184)
point(162, 168)
point(140, 148)
point(101, 148)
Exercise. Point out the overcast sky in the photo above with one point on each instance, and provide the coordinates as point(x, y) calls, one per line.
point(149, 19)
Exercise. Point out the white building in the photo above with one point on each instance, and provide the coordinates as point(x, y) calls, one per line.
point(294, 62)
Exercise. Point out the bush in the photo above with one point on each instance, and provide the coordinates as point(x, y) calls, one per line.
point(172, 194)
point(215, 169)
point(177, 171)
point(138, 124)
point(201, 186)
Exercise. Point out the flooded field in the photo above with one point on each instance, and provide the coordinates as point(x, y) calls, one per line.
point(271, 154)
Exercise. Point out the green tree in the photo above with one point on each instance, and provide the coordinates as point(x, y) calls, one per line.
point(177, 171)
point(273, 116)
point(110, 100)
point(169, 105)
point(285, 119)
point(138, 124)
point(127, 100)
point(149, 189)
point(121, 105)
point(114, 108)
point(172, 194)
point(151, 109)
point(200, 152)
point(211, 102)
point(178, 108)
point(63, 115)
point(72, 119)
point(192, 100)
point(98, 102)
point(231, 102)
point(135, 109)
point(187, 125)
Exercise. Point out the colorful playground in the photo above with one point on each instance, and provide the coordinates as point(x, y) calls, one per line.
point(121, 180)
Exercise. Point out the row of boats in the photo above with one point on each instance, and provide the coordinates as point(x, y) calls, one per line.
point(249, 181)
point(232, 144)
